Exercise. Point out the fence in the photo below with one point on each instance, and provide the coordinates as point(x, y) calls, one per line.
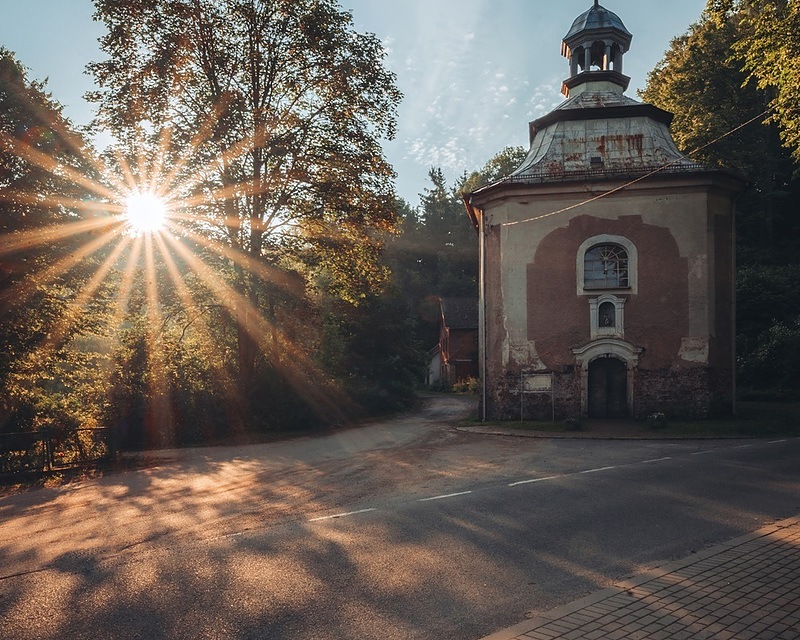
point(43, 451)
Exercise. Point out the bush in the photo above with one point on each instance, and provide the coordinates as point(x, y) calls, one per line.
point(657, 420)
point(469, 386)
point(775, 363)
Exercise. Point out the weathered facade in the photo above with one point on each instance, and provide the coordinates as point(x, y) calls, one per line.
point(458, 340)
point(607, 257)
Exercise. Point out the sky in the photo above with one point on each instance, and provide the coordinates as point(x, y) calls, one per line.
point(473, 72)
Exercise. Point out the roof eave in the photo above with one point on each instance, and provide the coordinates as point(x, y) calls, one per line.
point(599, 113)
point(736, 181)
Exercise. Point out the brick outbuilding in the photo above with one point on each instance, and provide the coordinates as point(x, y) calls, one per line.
point(458, 340)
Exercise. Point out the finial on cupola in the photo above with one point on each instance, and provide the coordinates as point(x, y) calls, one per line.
point(596, 3)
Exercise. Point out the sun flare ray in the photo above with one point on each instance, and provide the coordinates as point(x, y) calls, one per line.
point(78, 304)
point(231, 396)
point(20, 293)
point(126, 286)
point(45, 161)
point(28, 240)
point(264, 271)
point(293, 363)
point(159, 421)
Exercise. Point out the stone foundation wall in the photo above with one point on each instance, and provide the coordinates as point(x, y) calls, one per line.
point(688, 393)
point(504, 401)
point(683, 394)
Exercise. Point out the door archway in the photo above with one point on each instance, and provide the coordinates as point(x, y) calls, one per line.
point(608, 349)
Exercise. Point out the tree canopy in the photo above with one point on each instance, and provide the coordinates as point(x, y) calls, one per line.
point(768, 47)
point(44, 174)
point(261, 123)
point(716, 78)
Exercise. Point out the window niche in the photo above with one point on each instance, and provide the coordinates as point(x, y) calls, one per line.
point(606, 317)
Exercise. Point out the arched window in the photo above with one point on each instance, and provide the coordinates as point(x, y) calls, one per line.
point(605, 266)
point(606, 263)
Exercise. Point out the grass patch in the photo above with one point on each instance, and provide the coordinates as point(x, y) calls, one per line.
point(753, 419)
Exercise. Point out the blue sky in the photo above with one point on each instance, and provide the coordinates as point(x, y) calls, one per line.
point(473, 72)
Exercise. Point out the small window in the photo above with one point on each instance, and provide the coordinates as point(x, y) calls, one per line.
point(606, 267)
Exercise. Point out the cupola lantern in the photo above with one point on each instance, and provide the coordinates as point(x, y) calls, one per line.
point(594, 47)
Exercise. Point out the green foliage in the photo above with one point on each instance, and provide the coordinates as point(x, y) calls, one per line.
point(434, 255)
point(769, 341)
point(38, 150)
point(50, 370)
point(501, 165)
point(770, 50)
point(765, 294)
point(776, 359)
point(449, 244)
point(373, 352)
point(703, 84)
point(703, 80)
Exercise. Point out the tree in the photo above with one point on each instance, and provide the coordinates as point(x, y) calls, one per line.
point(769, 50)
point(435, 253)
point(44, 182)
point(703, 85)
point(374, 351)
point(451, 247)
point(703, 80)
point(265, 119)
point(499, 166)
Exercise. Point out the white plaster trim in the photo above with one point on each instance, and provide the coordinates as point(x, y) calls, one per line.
point(598, 331)
point(694, 350)
point(633, 263)
point(606, 348)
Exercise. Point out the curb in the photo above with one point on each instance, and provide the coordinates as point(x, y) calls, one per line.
point(561, 435)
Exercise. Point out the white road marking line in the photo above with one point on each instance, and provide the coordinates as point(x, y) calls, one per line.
point(656, 460)
point(776, 441)
point(596, 470)
point(744, 446)
point(702, 453)
point(449, 495)
point(341, 515)
point(515, 484)
point(225, 536)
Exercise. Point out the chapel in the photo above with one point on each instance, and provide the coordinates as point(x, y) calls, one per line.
point(606, 284)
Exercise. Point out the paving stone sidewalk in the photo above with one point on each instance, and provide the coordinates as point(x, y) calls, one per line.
point(746, 589)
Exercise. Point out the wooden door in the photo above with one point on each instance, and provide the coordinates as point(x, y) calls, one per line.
point(608, 388)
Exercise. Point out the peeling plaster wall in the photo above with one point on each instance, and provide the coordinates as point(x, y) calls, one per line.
point(681, 315)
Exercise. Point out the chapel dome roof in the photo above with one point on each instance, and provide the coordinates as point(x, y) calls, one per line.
point(596, 18)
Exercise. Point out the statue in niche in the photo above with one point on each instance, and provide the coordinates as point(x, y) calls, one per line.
point(607, 319)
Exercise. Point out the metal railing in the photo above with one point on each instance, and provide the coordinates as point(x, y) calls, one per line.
point(47, 450)
point(598, 173)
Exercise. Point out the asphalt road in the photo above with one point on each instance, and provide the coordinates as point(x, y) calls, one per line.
point(405, 529)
